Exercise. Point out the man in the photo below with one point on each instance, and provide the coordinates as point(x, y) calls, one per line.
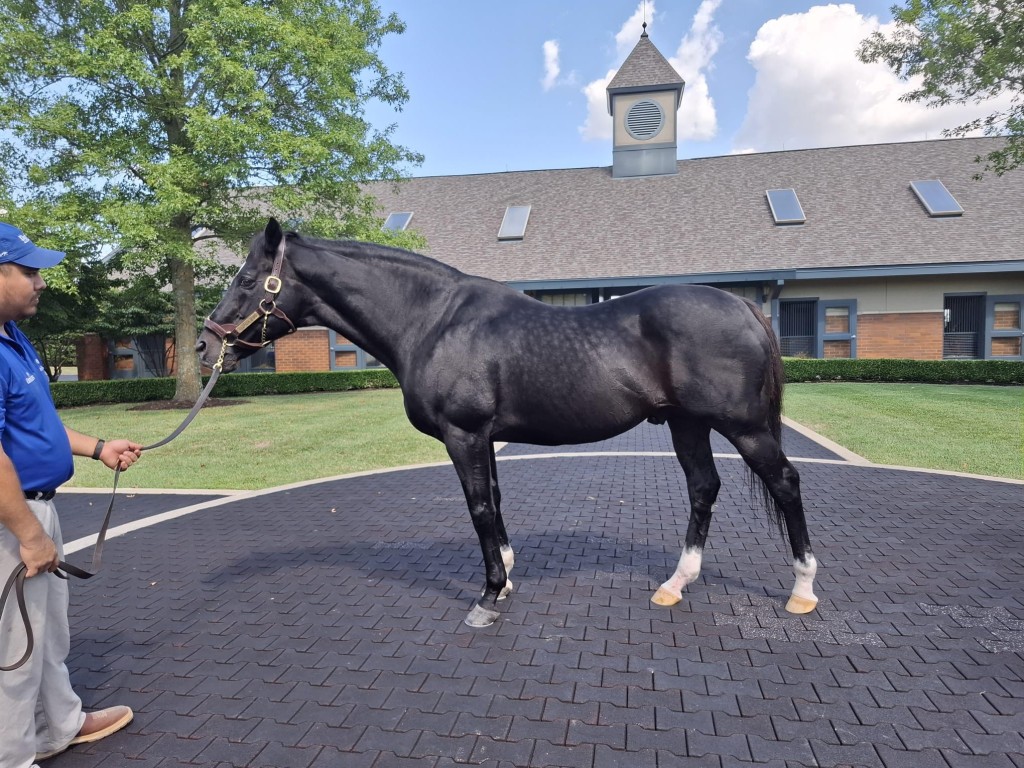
point(41, 714)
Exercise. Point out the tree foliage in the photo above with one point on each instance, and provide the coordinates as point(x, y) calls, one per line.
point(77, 293)
point(168, 125)
point(962, 51)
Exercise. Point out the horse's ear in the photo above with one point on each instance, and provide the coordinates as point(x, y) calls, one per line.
point(272, 236)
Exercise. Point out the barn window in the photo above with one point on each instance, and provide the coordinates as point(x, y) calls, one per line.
point(936, 199)
point(513, 225)
point(397, 222)
point(785, 205)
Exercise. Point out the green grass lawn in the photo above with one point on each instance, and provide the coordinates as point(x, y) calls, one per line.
point(963, 428)
point(258, 443)
point(269, 441)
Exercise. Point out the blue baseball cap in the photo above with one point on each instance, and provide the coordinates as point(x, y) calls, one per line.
point(16, 248)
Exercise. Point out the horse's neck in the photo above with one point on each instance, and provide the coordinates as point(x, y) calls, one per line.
point(383, 302)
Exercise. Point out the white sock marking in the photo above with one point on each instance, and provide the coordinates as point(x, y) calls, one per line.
point(687, 571)
point(804, 583)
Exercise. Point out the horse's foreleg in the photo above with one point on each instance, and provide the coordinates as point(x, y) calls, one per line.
point(508, 557)
point(765, 457)
point(471, 455)
point(692, 444)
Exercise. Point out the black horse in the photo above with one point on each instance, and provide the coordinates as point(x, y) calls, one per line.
point(479, 362)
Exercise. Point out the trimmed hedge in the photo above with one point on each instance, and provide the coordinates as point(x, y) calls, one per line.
point(68, 394)
point(921, 371)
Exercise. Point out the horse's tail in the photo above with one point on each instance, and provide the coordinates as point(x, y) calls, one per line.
point(774, 383)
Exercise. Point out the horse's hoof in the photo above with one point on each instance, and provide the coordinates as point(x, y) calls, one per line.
point(481, 617)
point(665, 598)
point(798, 604)
point(506, 590)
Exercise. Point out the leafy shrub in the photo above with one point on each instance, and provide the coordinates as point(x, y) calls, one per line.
point(894, 370)
point(68, 394)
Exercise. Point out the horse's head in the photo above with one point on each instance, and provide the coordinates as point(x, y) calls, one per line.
point(255, 309)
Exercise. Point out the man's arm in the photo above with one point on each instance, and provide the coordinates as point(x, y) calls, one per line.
point(38, 551)
point(112, 452)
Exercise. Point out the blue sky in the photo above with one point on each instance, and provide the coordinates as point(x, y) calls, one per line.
point(520, 85)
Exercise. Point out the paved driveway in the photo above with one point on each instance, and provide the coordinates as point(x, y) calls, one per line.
point(322, 625)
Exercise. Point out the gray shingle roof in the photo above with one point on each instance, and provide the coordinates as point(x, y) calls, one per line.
point(645, 67)
point(713, 217)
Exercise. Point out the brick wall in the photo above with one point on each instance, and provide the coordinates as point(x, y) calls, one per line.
point(915, 335)
point(308, 349)
point(91, 358)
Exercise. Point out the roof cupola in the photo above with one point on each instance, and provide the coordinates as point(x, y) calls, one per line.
point(643, 99)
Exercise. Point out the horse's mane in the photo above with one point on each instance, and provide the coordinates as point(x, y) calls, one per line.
point(384, 254)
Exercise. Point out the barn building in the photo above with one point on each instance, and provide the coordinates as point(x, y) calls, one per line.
point(872, 251)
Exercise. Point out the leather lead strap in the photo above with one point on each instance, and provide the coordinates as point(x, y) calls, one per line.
point(16, 581)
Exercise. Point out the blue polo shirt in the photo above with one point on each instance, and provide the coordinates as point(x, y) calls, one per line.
point(31, 432)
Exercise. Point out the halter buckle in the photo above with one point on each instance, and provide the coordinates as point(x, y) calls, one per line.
point(272, 284)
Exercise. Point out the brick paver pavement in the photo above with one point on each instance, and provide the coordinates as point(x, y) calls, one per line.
point(322, 626)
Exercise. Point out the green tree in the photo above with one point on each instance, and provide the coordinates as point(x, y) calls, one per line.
point(964, 51)
point(77, 288)
point(67, 308)
point(138, 307)
point(171, 127)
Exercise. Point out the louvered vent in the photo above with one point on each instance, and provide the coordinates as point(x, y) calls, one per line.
point(644, 119)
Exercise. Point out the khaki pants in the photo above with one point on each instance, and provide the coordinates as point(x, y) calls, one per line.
point(40, 711)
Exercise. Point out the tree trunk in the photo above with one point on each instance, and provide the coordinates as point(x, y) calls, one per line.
point(188, 383)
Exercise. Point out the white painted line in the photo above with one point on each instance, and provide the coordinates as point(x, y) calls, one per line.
point(948, 472)
point(145, 522)
point(824, 442)
point(128, 491)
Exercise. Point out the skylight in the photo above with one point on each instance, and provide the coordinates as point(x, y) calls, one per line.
point(785, 205)
point(397, 222)
point(936, 199)
point(513, 225)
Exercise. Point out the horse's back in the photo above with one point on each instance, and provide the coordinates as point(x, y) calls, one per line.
point(553, 375)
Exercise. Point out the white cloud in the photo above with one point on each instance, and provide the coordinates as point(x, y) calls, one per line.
point(629, 33)
point(598, 123)
point(551, 65)
point(697, 118)
point(692, 60)
point(811, 90)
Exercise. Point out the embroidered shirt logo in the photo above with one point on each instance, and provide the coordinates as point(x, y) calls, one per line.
point(29, 377)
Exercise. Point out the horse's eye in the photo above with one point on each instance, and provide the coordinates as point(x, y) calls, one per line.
point(247, 282)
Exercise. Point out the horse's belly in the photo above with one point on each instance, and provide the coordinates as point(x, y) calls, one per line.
point(569, 415)
point(565, 434)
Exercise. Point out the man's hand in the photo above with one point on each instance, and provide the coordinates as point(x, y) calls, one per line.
point(120, 453)
point(39, 554)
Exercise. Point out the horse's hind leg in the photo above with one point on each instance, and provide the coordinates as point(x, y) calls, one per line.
point(764, 456)
point(473, 459)
point(692, 443)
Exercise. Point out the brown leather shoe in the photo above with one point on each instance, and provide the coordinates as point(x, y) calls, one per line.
point(98, 725)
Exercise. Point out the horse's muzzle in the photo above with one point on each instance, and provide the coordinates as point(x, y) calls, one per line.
point(209, 346)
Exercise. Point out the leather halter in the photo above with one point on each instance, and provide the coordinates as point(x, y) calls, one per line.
point(229, 333)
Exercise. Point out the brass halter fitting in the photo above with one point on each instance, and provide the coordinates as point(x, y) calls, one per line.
point(230, 333)
point(219, 365)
